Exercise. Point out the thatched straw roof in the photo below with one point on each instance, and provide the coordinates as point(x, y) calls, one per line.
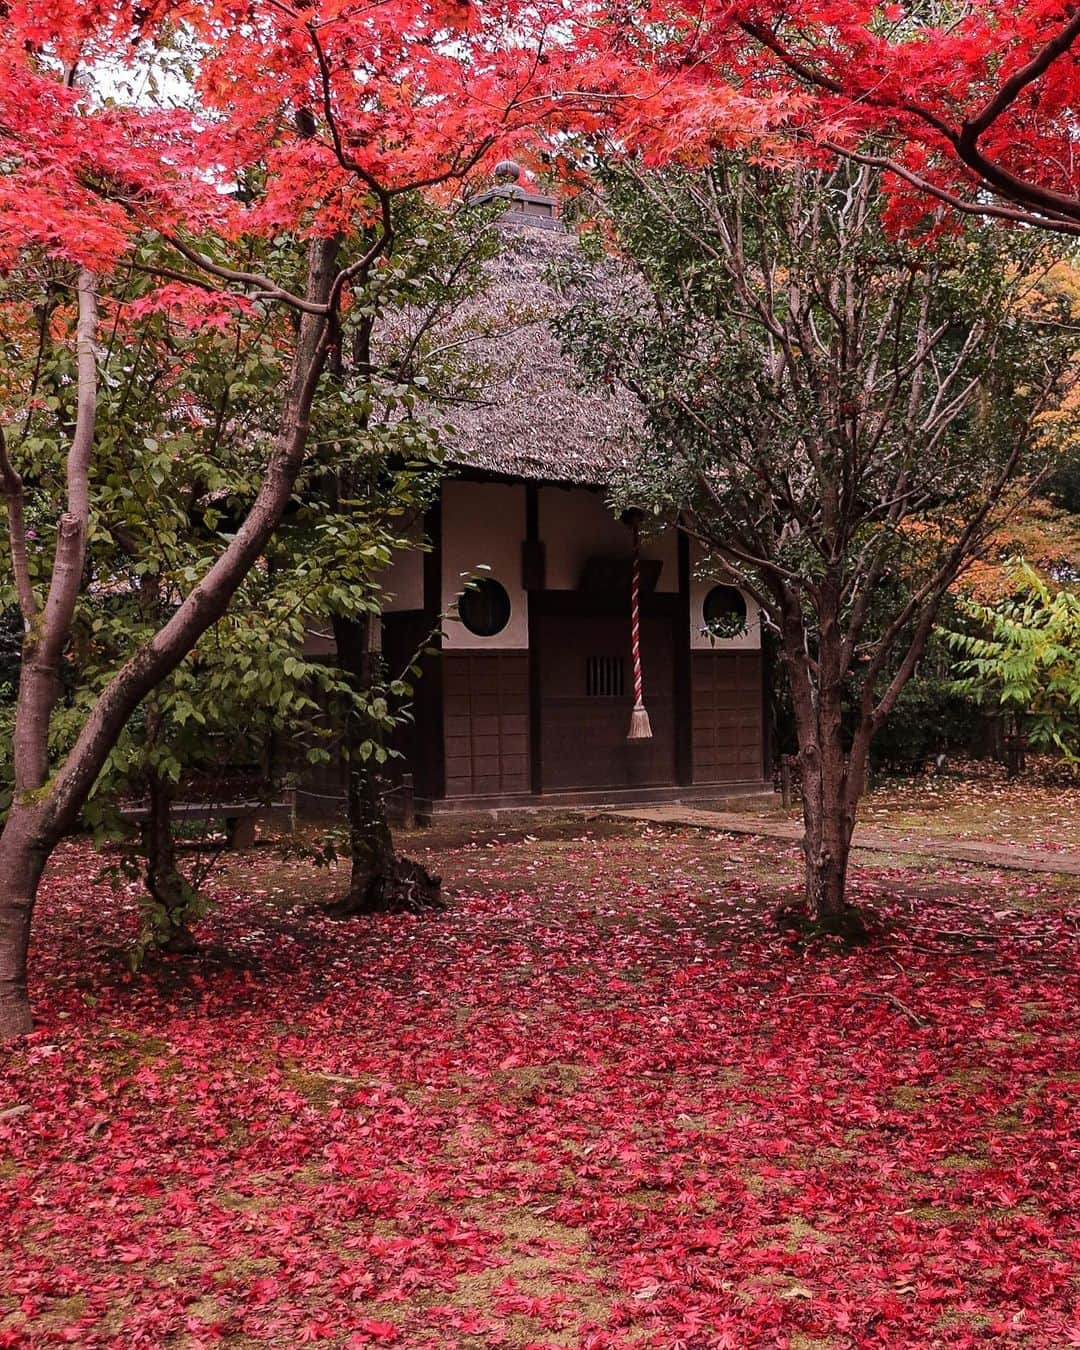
point(536, 418)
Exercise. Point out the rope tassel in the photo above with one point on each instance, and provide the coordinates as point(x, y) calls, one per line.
point(640, 730)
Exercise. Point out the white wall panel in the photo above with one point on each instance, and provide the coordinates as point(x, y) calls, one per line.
point(576, 525)
point(483, 525)
point(403, 580)
point(700, 586)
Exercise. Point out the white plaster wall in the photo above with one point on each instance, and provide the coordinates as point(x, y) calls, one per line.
point(576, 525)
point(319, 642)
point(700, 586)
point(483, 524)
point(403, 579)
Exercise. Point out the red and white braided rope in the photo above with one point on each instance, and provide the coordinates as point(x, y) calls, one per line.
point(635, 620)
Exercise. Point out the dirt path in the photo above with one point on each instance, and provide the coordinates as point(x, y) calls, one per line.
point(1009, 856)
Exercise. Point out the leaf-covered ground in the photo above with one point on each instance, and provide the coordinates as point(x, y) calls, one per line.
point(599, 1103)
point(974, 801)
point(985, 806)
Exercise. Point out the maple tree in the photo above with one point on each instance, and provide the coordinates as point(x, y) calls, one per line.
point(839, 419)
point(393, 374)
point(968, 106)
point(310, 122)
point(1045, 536)
point(181, 424)
point(246, 695)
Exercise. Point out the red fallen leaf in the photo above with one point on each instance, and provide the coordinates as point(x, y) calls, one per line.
point(316, 1331)
point(384, 1332)
point(705, 1142)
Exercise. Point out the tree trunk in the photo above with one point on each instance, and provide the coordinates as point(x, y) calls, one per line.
point(827, 846)
point(832, 783)
point(31, 831)
point(830, 777)
point(371, 844)
point(165, 924)
point(167, 928)
point(24, 850)
point(40, 815)
point(380, 882)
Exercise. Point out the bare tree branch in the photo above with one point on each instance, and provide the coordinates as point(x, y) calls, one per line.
point(14, 496)
point(39, 673)
point(1032, 203)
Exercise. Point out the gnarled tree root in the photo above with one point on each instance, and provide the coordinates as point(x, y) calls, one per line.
point(405, 887)
point(849, 924)
point(166, 927)
point(179, 941)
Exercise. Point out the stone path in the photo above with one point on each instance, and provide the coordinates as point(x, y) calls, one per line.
point(1010, 856)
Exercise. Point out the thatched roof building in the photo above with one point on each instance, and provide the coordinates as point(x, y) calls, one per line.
point(578, 660)
point(536, 417)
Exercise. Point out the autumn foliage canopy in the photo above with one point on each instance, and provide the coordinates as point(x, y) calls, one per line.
point(971, 106)
point(285, 116)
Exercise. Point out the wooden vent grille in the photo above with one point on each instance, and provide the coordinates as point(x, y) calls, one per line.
point(605, 677)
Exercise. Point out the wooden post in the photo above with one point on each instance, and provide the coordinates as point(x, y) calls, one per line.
point(785, 781)
point(240, 831)
point(1015, 755)
point(408, 802)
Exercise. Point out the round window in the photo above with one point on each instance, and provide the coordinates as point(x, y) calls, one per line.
point(484, 608)
point(724, 612)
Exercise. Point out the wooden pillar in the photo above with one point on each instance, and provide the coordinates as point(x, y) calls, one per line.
point(684, 685)
point(768, 675)
point(532, 569)
point(430, 736)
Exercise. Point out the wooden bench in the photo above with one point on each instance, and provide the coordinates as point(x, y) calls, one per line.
point(239, 817)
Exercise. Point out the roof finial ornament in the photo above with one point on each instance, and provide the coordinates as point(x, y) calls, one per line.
point(525, 204)
point(507, 171)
